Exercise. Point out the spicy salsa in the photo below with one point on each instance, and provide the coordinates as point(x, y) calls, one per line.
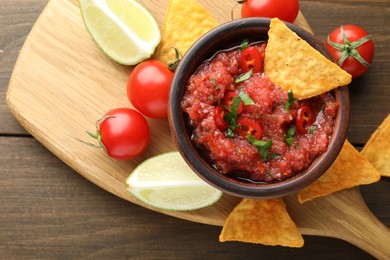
point(251, 128)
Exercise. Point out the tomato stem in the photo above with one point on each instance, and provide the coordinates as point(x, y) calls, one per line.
point(348, 48)
point(172, 65)
point(97, 135)
point(94, 136)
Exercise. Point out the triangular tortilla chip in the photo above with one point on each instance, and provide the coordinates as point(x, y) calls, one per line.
point(291, 63)
point(350, 169)
point(263, 222)
point(185, 22)
point(377, 149)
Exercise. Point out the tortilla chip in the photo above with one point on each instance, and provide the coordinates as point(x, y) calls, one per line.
point(185, 22)
point(377, 149)
point(350, 169)
point(293, 64)
point(262, 222)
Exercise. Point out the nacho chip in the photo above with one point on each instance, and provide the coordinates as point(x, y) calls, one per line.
point(377, 149)
point(185, 22)
point(350, 169)
point(263, 222)
point(293, 64)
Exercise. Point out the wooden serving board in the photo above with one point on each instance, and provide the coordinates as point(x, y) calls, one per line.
point(62, 84)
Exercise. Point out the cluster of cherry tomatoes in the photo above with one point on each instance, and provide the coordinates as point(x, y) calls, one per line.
point(124, 132)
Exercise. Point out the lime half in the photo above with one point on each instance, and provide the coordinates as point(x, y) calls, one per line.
point(123, 29)
point(166, 182)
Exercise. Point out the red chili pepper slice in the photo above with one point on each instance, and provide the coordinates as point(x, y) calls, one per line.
point(305, 118)
point(251, 59)
point(219, 113)
point(249, 127)
point(228, 100)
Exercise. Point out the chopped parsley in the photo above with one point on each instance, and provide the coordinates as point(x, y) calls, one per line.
point(290, 100)
point(323, 106)
point(244, 44)
point(244, 76)
point(289, 136)
point(274, 155)
point(311, 129)
point(214, 81)
point(245, 98)
point(231, 116)
point(262, 146)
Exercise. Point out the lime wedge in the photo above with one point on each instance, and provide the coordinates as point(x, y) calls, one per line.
point(166, 182)
point(123, 29)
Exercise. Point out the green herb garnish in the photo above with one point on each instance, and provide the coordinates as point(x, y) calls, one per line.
point(235, 104)
point(244, 44)
point(245, 98)
point(274, 155)
point(244, 76)
point(231, 115)
point(323, 106)
point(262, 146)
point(311, 129)
point(289, 136)
point(290, 100)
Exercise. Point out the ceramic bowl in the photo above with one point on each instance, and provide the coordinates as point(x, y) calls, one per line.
point(224, 37)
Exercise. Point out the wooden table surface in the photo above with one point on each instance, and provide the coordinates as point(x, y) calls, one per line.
point(47, 210)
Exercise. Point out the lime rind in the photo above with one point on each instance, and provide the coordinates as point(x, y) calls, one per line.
point(166, 182)
point(180, 198)
point(113, 36)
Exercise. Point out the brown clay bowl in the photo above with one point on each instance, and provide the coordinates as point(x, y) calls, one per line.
point(224, 37)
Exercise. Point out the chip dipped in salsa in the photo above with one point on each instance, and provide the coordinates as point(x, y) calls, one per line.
point(250, 128)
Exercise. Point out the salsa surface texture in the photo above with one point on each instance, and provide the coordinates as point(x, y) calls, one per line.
point(269, 140)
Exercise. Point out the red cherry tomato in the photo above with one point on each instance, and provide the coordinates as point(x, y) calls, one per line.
point(286, 10)
point(124, 133)
point(305, 118)
point(219, 113)
point(228, 101)
point(352, 48)
point(148, 88)
point(251, 59)
point(249, 127)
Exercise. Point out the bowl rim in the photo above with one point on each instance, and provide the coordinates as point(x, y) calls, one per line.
point(178, 127)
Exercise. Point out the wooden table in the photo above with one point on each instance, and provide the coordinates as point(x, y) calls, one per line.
point(50, 211)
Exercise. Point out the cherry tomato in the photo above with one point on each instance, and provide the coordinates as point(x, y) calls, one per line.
point(305, 118)
point(148, 88)
point(123, 132)
point(251, 58)
point(228, 100)
point(352, 48)
point(286, 10)
point(249, 127)
point(219, 113)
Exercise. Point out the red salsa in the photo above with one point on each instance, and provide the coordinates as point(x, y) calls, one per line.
point(251, 128)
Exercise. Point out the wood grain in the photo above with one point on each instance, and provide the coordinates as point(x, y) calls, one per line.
point(68, 80)
point(14, 31)
point(51, 212)
point(36, 166)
